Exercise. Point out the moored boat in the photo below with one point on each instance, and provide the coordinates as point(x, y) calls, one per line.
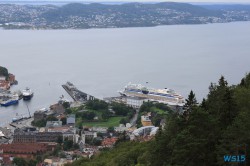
point(9, 102)
point(27, 94)
point(166, 95)
point(17, 118)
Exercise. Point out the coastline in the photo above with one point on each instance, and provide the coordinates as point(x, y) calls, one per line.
point(110, 28)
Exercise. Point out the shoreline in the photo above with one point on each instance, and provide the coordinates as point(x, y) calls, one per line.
point(111, 28)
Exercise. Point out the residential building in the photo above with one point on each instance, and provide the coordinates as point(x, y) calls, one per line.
point(135, 102)
point(25, 150)
point(50, 124)
point(22, 136)
point(143, 131)
point(6, 131)
point(48, 136)
point(122, 128)
point(109, 142)
point(67, 132)
point(39, 115)
point(2, 78)
point(12, 79)
point(145, 120)
point(57, 108)
point(5, 85)
point(89, 135)
point(27, 136)
point(71, 119)
point(99, 129)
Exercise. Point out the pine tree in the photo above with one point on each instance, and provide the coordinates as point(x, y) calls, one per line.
point(190, 102)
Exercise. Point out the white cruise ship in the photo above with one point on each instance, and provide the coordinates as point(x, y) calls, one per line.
point(166, 95)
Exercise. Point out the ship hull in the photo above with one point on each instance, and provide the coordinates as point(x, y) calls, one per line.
point(12, 102)
point(27, 97)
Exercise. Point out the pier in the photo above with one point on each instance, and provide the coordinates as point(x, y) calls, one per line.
point(76, 94)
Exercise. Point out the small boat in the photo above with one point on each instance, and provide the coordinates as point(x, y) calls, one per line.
point(17, 118)
point(27, 94)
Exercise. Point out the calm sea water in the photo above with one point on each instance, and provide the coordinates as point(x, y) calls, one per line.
point(102, 61)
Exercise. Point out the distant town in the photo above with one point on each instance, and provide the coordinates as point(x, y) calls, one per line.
point(84, 16)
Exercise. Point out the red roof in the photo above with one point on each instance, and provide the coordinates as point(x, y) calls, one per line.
point(24, 148)
point(109, 141)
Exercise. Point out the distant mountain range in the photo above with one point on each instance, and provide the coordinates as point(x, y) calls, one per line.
point(82, 16)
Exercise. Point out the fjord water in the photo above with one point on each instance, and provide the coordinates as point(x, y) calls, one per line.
point(102, 61)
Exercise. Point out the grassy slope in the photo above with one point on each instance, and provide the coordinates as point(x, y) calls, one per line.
point(113, 121)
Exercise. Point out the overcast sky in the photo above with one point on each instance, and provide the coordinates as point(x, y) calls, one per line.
point(234, 1)
point(208, 1)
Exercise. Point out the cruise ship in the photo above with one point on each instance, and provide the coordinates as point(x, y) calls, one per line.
point(167, 96)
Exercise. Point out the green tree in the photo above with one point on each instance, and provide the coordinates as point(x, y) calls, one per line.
point(124, 121)
point(60, 140)
point(66, 105)
point(32, 162)
point(67, 144)
point(97, 105)
point(19, 161)
point(121, 109)
point(51, 118)
point(106, 114)
point(4, 72)
point(217, 127)
point(97, 141)
point(64, 120)
point(111, 129)
point(39, 123)
point(190, 101)
point(75, 146)
point(68, 111)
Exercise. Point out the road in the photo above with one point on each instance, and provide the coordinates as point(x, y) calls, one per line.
point(133, 120)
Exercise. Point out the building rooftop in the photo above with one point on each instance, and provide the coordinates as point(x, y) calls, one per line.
point(61, 129)
point(72, 116)
point(109, 141)
point(24, 148)
point(54, 124)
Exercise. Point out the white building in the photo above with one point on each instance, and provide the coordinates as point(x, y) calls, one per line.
point(135, 102)
point(146, 130)
point(71, 119)
point(2, 78)
point(88, 135)
point(122, 128)
point(99, 129)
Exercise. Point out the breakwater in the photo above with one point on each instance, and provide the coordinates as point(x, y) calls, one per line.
point(76, 94)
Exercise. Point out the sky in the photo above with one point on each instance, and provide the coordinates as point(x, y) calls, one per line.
point(207, 1)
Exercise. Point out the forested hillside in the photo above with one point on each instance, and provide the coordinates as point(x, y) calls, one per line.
point(201, 136)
